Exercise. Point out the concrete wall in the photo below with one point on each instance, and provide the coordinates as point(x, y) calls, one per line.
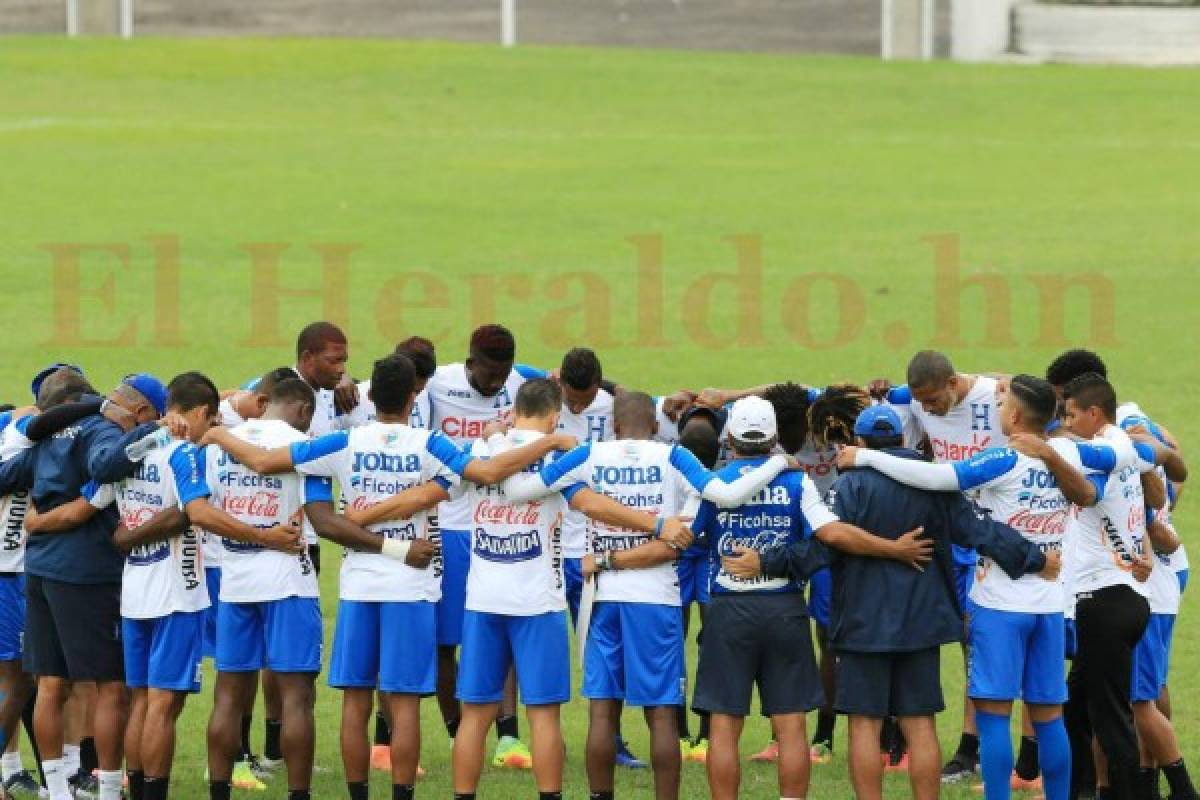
point(1109, 34)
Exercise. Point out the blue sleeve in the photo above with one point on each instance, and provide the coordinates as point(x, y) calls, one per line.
point(106, 461)
point(814, 393)
point(1145, 452)
point(5, 420)
point(899, 396)
point(317, 490)
point(22, 424)
point(187, 465)
point(1053, 425)
point(984, 467)
point(1097, 456)
point(251, 384)
point(311, 449)
point(560, 466)
point(454, 457)
point(1099, 481)
point(1145, 422)
point(529, 373)
point(17, 473)
point(442, 482)
point(690, 467)
point(572, 490)
point(705, 515)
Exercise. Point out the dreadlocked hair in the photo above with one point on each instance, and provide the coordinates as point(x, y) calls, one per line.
point(831, 416)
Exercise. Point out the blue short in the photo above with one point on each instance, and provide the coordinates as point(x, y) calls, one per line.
point(537, 646)
point(964, 579)
point(280, 635)
point(693, 571)
point(573, 578)
point(820, 596)
point(1014, 655)
point(212, 576)
point(1168, 637)
point(1182, 575)
point(456, 563)
point(1150, 659)
point(12, 616)
point(634, 653)
point(388, 646)
point(164, 652)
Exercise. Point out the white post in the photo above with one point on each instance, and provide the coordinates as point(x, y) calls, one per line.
point(508, 22)
point(928, 23)
point(885, 30)
point(126, 22)
point(72, 18)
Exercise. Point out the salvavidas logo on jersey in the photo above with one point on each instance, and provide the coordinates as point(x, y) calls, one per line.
point(145, 554)
point(520, 546)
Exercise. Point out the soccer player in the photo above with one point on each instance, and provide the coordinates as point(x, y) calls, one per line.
point(516, 605)
point(1015, 626)
point(465, 398)
point(73, 589)
point(634, 652)
point(1111, 610)
point(756, 633)
point(421, 353)
point(322, 351)
point(956, 413)
point(386, 634)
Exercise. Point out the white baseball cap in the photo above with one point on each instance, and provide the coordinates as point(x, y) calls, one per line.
point(752, 419)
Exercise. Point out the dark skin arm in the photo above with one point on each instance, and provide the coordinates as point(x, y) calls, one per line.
point(1074, 484)
point(400, 506)
point(284, 538)
point(487, 472)
point(337, 528)
point(596, 506)
point(1162, 538)
point(1154, 490)
point(909, 549)
point(162, 526)
point(648, 554)
point(259, 459)
point(66, 517)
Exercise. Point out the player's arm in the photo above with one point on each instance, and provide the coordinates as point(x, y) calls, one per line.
point(1162, 536)
point(259, 459)
point(106, 459)
point(400, 506)
point(70, 515)
point(645, 555)
point(719, 398)
point(486, 472)
point(1153, 451)
point(912, 548)
point(1082, 489)
point(162, 526)
point(53, 420)
point(16, 474)
point(968, 526)
point(910, 472)
point(284, 538)
point(603, 509)
point(714, 488)
point(570, 469)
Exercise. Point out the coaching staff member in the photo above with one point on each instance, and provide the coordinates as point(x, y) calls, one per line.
point(888, 621)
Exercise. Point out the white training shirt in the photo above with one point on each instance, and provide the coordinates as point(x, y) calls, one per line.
point(166, 576)
point(371, 464)
point(967, 429)
point(364, 412)
point(15, 506)
point(250, 573)
point(461, 413)
point(819, 464)
point(595, 424)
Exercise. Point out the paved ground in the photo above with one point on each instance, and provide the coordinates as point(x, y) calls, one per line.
point(835, 26)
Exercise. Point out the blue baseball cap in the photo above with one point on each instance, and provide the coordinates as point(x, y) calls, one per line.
point(36, 386)
point(150, 388)
point(878, 420)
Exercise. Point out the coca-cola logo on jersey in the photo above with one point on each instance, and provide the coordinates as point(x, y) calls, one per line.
point(1052, 524)
point(259, 504)
point(1137, 518)
point(489, 513)
point(136, 517)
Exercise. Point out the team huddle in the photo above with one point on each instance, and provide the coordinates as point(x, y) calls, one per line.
point(487, 508)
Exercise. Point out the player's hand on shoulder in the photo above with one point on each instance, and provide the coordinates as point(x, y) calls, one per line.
point(677, 403)
point(1028, 444)
point(345, 395)
point(1053, 566)
point(496, 427)
point(745, 563)
point(176, 423)
point(915, 549)
point(214, 435)
point(712, 398)
point(565, 441)
point(1141, 567)
point(421, 553)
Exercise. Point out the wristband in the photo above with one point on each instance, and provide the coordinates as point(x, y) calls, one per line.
point(658, 526)
point(396, 549)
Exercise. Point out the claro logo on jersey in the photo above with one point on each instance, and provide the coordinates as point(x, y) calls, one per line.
point(522, 546)
point(946, 450)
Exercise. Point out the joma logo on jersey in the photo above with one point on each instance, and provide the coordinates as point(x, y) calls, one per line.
point(387, 462)
point(626, 476)
point(771, 496)
point(524, 546)
point(147, 472)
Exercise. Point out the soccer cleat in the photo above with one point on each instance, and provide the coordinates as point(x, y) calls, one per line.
point(264, 767)
point(21, 784)
point(512, 753)
point(821, 753)
point(381, 758)
point(768, 755)
point(699, 751)
point(84, 786)
point(627, 759)
point(960, 768)
point(244, 777)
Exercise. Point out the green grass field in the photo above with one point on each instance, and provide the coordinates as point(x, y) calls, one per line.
point(478, 184)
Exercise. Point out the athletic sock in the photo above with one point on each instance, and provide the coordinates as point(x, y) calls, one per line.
point(56, 779)
point(507, 726)
point(10, 764)
point(156, 788)
point(70, 758)
point(995, 754)
point(681, 722)
point(247, 725)
point(110, 783)
point(1179, 780)
point(137, 783)
point(1054, 758)
point(464, 796)
point(359, 790)
point(1143, 786)
point(968, 746)
point(601, 796)
point(704, 723)
point(887, 735)
point(299, 794)
point(826, 720)
point(89, 762)
point(219, 790)
point(452, 727)
point(549, 795)
point(1027, 759)
point(383, 734)
point(271, 742)
point(403, 791)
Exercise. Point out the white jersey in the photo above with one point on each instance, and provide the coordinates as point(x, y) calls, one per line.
point(15, 506)
point(364, 412)
point(819, 464)
point(516, 548)
point(461, 413)
point(595, 424)
point(250, 573)
point(967, 429)
point(1109, 535)
point(210, 543)
point(166, 576)
point(668, 430)
point(1163, 585)
point(372, 463)
point(1129, 414)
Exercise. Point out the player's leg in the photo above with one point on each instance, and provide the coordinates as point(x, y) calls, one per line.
point(407, 672)
point(665, 757)
point(729, 662)
point(354, 669)
point(134, 768)
point(272, 720)
point(112, 709)
point(1156, 735)
point(789, 686)
point(510, 751)
point(456, 563)
point(924, 756)
point(1045, 691)
point(174, 673)
point(240, 654)
point(965, 761)
point(998, 641)
point(293, 651)
point(866, 769)
point(995, 747)
point(646, 664)
point(794, 763)
point(17, 689)
point(1026, 769)
point(545, 736)
point(820, 588)
point(723, 765)
point(541, 654)
point(915, 696)
point(405, 746)
point(601, 746)
point(298, 741)
point(467, 751)
point(356, 758)
point(163, 708)
point(604, 686)
point(486, 660)
point(381, 742)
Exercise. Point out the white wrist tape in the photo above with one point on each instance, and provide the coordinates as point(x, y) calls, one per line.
point(394, 548)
